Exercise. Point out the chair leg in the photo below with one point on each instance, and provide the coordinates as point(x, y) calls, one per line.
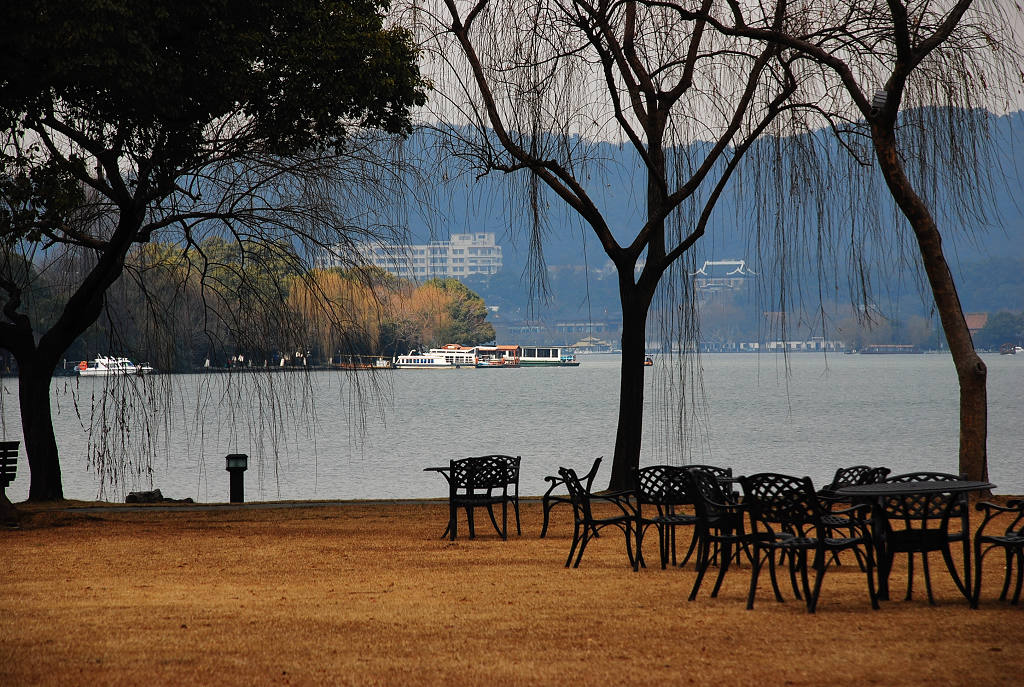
point(1006, 576)
point(631, 556)
point(755, 569)
point(638, 559)
point(869, 559)
point(805, 583)
point(927, 577)
point(547, 514)
point(963, 584)
point(469, 520)
point(575, 542)
point(910, 574)
point(689, 551)
point(820, 564)
point(490, 511)
point(976, 592)
point(775, 579)
point(703, 558)
point(792, 574)
point(583, 546)
point(1020, 576)
point(515, 505)
point(723, 567)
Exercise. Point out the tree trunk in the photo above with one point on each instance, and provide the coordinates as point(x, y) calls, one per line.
point(37, 427)
point(970, 369)
point(629, 433)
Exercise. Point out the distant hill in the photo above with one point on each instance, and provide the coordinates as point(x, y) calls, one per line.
point(978, 256)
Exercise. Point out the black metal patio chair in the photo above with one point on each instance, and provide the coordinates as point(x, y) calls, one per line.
point(664, 490)
point(720, 528)
point(844, 522)
point(1010, 541)
point(484, 482)
point(551, 499)
point(925, 519)
point(786, 519)
point(586, 524)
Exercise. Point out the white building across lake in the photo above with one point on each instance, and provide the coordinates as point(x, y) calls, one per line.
point(462, 255)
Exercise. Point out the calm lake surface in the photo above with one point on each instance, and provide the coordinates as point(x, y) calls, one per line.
point(329, 435)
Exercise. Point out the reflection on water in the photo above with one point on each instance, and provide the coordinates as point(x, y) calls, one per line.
point(308, 439)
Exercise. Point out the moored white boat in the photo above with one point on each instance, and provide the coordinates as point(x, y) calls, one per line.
point(449, 357)
point(104, 366)
point(551, 356)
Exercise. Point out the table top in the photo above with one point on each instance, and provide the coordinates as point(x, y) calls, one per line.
point(921, 487)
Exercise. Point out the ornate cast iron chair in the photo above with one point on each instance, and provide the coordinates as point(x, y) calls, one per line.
point(843, 522)
point(926, 522)
point(1011, 541)
point(786, 519)
point(586, 524)
point(484, 482)
point(664, 489)
point(550, 499)
point(720, 527)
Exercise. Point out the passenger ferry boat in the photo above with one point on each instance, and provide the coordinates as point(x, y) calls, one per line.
point(551, 356)
point(104, 366)
point(449, 357)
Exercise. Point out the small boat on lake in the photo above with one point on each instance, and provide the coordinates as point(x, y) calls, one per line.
point(500, 357)
point(648, 361)
point(105, 366)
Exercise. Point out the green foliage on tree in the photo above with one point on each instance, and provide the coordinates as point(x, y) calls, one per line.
point(467, 315)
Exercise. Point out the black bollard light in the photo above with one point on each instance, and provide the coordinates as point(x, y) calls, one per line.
point(236, 465)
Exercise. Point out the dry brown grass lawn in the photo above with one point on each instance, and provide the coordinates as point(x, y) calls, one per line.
point(367, 594)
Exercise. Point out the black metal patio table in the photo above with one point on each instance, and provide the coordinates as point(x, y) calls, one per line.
point(876, 494)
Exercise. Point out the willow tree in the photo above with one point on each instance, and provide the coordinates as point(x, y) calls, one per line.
point(128, 122)
point(916, 77)
point(527, 86)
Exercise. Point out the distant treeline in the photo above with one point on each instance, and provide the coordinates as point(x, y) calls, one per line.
point(216, 301)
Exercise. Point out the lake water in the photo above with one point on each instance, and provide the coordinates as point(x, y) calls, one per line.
point(328, 435)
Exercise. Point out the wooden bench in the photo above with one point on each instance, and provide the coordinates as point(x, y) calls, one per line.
point(8, 463)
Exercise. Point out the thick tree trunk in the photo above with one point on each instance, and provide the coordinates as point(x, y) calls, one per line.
point(37, 427)
point(629, 433)
point(970, 369)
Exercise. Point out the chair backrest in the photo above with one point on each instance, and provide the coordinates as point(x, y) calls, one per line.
point(713, 470)
point(921, 507)
point(485, 472)
point(8, 462)
point(853, 475)
point(579, 495)
point(711, 499)
point(662, 485)
point(782, 502)
point(588, 479)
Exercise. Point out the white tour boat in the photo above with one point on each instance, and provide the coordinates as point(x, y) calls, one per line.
point(449, 357)
point(104, 366)
point(552, 356)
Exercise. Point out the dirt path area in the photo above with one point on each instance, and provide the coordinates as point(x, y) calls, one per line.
point(368, 594)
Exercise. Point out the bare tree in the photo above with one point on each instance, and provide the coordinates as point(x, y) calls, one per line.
point(525, 88)
point(916, 76)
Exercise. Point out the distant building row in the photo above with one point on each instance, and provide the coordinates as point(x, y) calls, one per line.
point(461, 256)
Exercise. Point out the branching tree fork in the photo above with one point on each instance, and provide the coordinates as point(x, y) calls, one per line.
point(544, 78)
point(917, 75)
